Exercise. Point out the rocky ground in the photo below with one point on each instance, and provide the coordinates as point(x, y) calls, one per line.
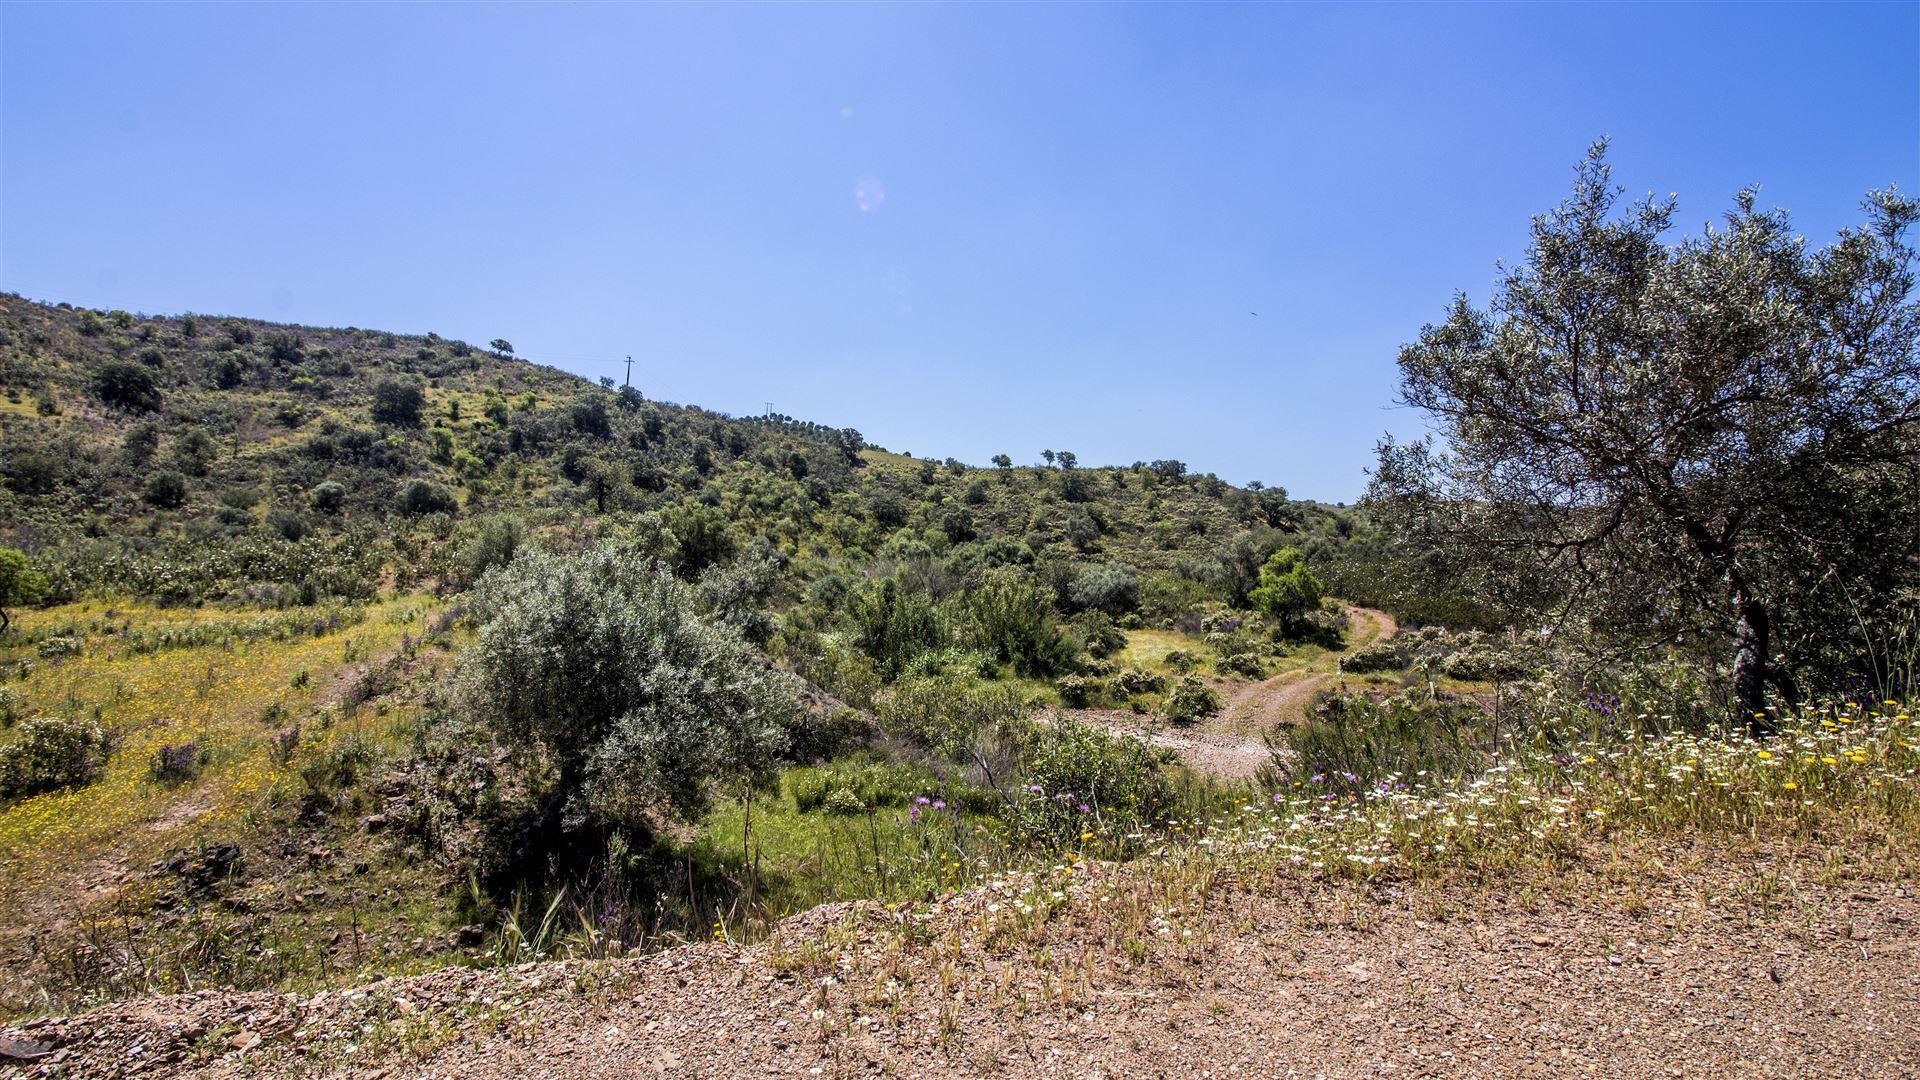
point(1698, 960)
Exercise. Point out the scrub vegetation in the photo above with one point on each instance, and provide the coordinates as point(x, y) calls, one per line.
point(332, 653)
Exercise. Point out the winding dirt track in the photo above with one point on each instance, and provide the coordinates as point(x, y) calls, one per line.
point(1232, 744)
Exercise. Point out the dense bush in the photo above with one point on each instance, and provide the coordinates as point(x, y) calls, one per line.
point(1076, 690)
point(328, 497)
point(397, 402)
point(1287, 591)
point(1246, 664)
point(128, 386)
point(1010, 616)
point(1078, 779)
point(166, 490)
point(1110, 588)
point(1379, 656)
point(1354, 742)
point(601, 663)
point(20, 584)
point(49, 753)
point(494, 545)
point(950, 715)
point(1191, 700)
point(894, 623)
point(417, 497)
point(1098, 635)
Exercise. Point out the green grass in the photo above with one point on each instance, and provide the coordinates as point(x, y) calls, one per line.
point(229, 680)
point(1148, 649)
point(801, 859)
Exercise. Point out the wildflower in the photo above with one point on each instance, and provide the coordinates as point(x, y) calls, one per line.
point(1766, 756)
point(1790, 785)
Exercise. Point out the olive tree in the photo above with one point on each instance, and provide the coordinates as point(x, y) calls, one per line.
point(1667, 441)
point(600, 665)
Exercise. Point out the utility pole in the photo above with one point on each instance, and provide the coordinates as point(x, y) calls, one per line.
point(629, 381)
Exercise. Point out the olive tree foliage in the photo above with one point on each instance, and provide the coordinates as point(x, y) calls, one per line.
point(599, 665)
point(1704, 441)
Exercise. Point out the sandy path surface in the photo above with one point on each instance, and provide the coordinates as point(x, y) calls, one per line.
point(1217, 753)
point(1685, 971)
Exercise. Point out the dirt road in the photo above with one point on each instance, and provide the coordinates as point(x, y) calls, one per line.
point(1683, 971)
point(1232, 743)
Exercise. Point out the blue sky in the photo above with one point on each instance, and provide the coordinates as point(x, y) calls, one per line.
point(961, 229)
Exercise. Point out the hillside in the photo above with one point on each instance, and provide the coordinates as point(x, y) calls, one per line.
point(257, 542)
point(199, 458)
point(383, 704)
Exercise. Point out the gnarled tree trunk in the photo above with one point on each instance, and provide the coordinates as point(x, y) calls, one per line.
point(1751, 627)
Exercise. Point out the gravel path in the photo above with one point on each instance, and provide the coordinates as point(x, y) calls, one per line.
point(1730, 964)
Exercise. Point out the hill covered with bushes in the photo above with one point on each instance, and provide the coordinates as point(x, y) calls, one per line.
point(194, 457)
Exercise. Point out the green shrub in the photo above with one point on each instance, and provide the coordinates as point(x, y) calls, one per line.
point(398, 402)
point(289, 523)
point(1480, 663)
point(1359, 741)
point(1098, 635)
point(1109, 588)
point(1380, 656)
point(602, 664)
point(1076, 690)
point(1134, 681)
point(20, 584)
point(1080, 779)
point(51, 753)
point(1011, 616)
point(1287, 591)
point(494, 545)
point(166, 490)
point(1242, 663)
point(894, 623)
point(328, 497)
point(1191, 700)
point(127, 386)
point(417, 497)
point(948, 714)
